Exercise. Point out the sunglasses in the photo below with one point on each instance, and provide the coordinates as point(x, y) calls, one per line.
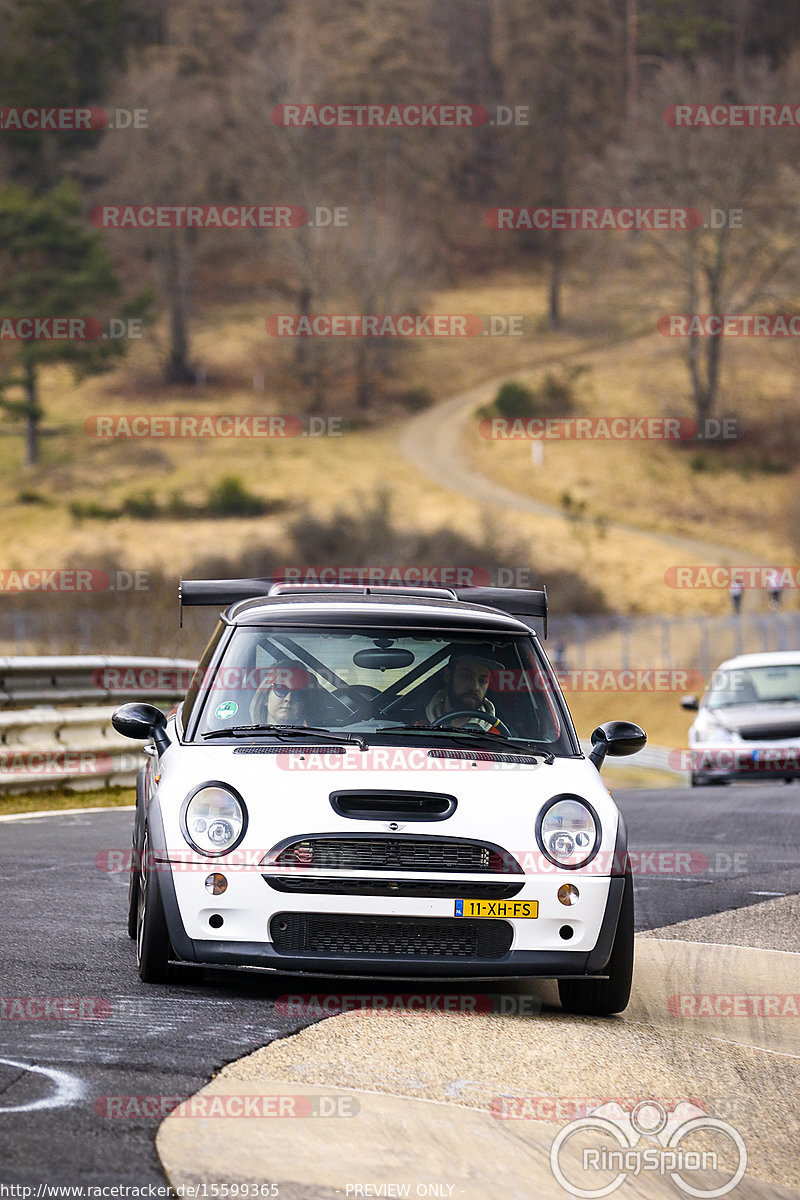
point(281, 690)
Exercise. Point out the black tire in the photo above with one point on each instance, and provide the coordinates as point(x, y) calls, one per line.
point(153, 950)
point(601, 997)
point(133, 889)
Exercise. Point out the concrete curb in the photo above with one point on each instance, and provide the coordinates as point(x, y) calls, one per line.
point(424, 1087)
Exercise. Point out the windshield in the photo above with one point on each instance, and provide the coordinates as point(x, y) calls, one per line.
point(755, 685)
point(379, 682)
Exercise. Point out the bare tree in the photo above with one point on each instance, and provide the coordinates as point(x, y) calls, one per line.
point(189, 152)
point(565, 59)
point(743, 183)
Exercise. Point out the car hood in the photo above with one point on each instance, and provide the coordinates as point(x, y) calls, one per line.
point(764, 719)
point(288, 795)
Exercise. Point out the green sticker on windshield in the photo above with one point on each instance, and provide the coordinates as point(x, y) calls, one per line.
point(228, 709)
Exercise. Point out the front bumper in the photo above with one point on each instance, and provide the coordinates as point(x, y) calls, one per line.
point(516, 961)
point(754, 761)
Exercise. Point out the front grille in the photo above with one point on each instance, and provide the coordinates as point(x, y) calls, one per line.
point(423, 888)
point(406, 853)
point(397, 937)
point(770, 733)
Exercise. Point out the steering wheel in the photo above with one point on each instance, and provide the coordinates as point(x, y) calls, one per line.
point(487, 718)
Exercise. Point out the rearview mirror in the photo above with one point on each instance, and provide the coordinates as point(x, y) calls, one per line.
point(376, 658)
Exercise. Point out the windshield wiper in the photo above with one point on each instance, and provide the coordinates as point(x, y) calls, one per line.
point(289, 731)
point(492, 739)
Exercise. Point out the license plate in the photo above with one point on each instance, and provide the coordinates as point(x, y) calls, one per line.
point(515, 910)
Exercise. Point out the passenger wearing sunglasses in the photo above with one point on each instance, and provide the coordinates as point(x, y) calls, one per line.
point(280, 698)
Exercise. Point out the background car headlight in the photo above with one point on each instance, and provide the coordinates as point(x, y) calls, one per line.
point(214, 818)
point(568, 831)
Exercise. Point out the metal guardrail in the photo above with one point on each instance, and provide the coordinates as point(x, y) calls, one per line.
point(49, 745)
point(67, 739)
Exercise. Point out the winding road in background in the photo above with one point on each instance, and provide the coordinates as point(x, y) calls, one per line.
point(432, 441)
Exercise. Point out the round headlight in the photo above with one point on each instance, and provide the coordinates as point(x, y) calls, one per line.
point(214, 818)
point(568, 832)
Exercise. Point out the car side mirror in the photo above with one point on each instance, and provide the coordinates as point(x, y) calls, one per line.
point(691, 702)
point(617, 738)
point(142, 722)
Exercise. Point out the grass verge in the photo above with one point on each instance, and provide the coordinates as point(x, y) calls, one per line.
point(62, 798)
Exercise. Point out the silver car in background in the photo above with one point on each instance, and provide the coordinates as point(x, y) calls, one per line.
point(748, 722)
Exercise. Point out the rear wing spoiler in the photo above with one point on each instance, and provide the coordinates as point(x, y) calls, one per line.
point(220, 593)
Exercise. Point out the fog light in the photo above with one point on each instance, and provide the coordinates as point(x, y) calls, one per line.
point(216, 884)
point(568, 894)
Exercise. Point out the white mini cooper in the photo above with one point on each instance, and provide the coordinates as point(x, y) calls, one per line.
point(380, 782)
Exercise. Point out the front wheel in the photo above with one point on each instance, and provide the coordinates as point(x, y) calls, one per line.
point(601, 997)
point(133, 889)
point(152, 937)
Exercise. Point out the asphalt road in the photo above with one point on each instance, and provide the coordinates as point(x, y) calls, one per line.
point(698, 851)
point(62, 935)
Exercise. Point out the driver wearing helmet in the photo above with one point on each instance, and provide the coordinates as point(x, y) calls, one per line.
point(466, 682)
